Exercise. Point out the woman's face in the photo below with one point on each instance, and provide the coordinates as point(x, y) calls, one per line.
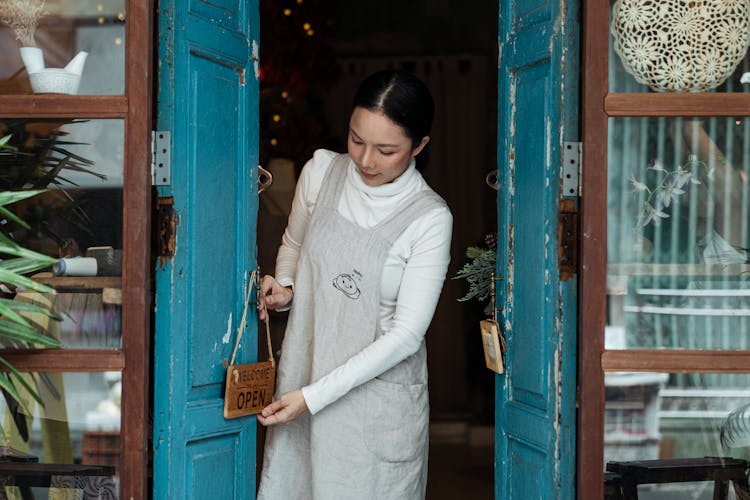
point(379, 147)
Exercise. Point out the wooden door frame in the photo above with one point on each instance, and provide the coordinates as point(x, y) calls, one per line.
point(598, 106)
point(136, 284)
point(134, 108)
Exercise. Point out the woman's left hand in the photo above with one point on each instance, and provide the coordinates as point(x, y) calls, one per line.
point(285, 409)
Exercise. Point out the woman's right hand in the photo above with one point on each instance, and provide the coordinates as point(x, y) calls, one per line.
point(273, 296)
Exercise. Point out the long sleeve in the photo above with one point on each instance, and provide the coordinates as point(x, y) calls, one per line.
point(305, 194)
point(419, 287)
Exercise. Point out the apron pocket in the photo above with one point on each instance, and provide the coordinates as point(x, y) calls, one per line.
point(396, 420)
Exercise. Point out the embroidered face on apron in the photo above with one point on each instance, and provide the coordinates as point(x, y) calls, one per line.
point(372, 442)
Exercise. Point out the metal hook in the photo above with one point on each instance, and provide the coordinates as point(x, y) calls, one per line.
point(491, 180)
point(265, 179)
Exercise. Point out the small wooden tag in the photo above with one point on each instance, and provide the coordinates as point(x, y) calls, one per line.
point(249, 388)
point(492, 343)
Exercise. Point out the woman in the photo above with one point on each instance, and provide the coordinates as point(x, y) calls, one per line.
point(362, 263)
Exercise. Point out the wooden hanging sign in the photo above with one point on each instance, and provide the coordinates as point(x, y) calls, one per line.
point(493, 344)
point(249, 389)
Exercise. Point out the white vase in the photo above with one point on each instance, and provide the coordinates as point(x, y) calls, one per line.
point(75, 66)
point(52, 80)
point(32, 58)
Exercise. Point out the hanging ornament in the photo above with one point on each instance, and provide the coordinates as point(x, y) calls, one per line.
point(681, 45)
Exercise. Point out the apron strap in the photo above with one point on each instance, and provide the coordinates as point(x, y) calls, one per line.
point(333, 184)
point(392, 226)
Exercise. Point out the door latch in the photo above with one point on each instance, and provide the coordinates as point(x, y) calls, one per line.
point(567, 237)
point(166, 227)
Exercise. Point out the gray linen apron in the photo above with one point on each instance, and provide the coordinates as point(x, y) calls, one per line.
point(372, 442)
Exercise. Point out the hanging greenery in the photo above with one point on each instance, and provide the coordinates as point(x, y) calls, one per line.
point(479, 273)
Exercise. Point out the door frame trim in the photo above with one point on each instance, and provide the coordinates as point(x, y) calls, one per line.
point(136, 284)
point(592, 291)
point(594, 360)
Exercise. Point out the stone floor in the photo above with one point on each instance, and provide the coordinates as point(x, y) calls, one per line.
point(460, 471)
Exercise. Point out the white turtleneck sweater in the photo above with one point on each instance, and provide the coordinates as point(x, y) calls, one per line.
point(412, 279)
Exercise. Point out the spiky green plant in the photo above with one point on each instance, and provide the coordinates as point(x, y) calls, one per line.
point(36, 154)
point(38, 157)
point(15, 329)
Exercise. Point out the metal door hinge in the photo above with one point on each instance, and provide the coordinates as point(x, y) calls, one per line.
point(571, 169)
point(161, 143)
point(567, 238)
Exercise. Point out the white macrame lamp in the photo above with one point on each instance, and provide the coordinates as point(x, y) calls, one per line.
point(681, 45)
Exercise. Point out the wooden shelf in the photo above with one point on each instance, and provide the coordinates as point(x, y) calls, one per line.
point(675, 361)
point(677, 104)
point(63, 106)
point(677, 269)
point(78, 283)
point(65, 360)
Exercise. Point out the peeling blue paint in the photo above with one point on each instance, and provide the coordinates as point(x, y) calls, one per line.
point(535, 398)
point(204, 54)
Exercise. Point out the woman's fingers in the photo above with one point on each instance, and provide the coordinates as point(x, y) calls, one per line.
point(272, 414)
point(273, 296)
point(266, 287)
point(272, 408)
point(283, 410)
point(266, 283)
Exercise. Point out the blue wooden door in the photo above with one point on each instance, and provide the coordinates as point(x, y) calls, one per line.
point(537, 114)
point(208, 101)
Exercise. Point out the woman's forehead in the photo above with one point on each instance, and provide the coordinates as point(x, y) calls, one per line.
point(375, 126)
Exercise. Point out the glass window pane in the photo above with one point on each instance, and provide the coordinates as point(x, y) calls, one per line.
point(678, 233)
point(678, 46)
point(78, 427)
point(671, 416)
point(77, 221)
point(61, 31)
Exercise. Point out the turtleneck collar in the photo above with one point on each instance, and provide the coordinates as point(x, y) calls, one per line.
point(384, 190)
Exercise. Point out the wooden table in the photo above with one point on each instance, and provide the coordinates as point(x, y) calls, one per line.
point(95, 481)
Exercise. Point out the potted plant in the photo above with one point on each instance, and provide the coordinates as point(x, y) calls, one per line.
point(23, 16)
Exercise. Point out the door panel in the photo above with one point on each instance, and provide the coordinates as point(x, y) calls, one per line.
point(208, 101)
point(212, 186)
point(530, 294)
point(207, 458)
point(535, 453)
point(529, 465)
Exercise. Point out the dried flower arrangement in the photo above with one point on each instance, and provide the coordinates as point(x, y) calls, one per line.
point(667, 188)
point(23, 17)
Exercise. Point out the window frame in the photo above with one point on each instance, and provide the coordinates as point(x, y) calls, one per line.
point(134, 107)
point(593, 359)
